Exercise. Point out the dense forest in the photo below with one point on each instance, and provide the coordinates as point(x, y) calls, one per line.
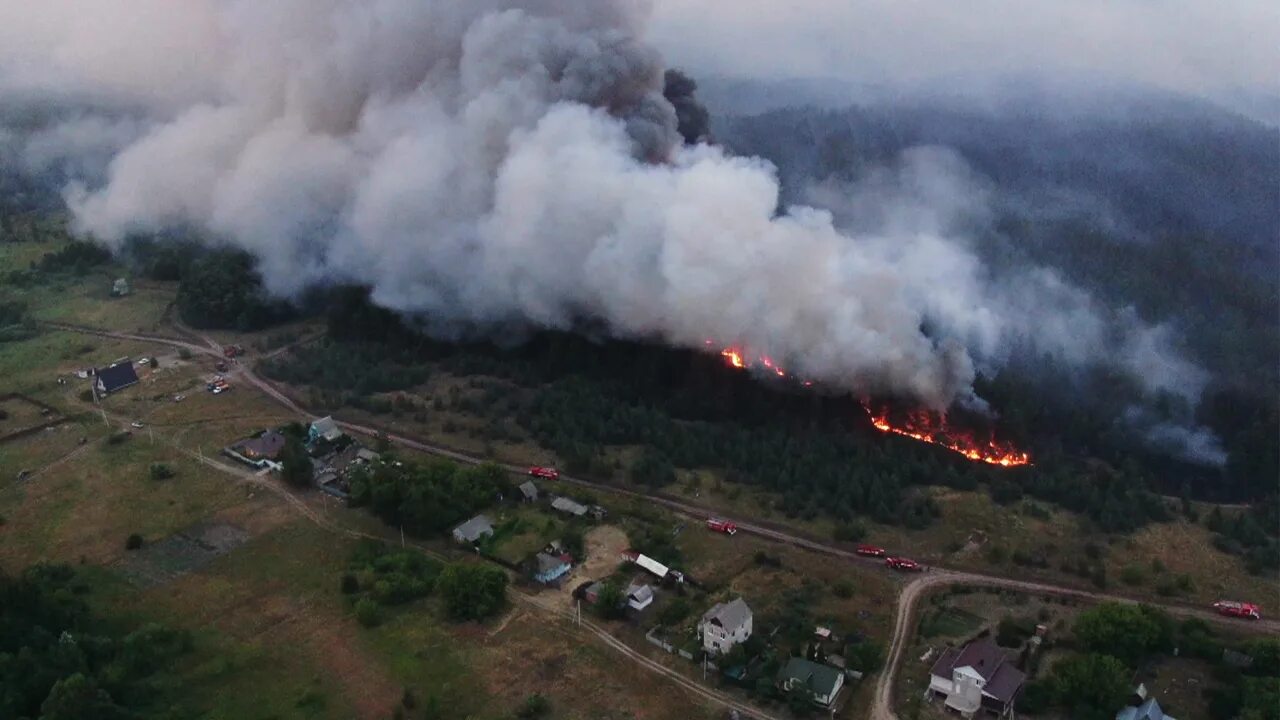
point(1155, 203)
point(58, 661)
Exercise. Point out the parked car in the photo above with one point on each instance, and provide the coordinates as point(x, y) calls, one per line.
point(179, 398)
point(870, 551)
point(136, 424)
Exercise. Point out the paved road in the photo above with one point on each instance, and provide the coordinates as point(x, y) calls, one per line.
point(936, 577)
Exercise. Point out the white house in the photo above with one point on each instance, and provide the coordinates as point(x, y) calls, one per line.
point(725, 625)
point(976, 677)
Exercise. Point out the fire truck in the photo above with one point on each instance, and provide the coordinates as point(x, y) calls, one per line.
point(1231, 608)
point(547, 473)
point(232, 350)
point(870, 551)
point(722, 526)
point(903, 564)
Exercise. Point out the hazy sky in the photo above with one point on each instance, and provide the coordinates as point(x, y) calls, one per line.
point(1208, 48)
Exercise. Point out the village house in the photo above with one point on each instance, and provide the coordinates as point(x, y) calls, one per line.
point(823, 682)
point(262, 451)
point(1142, 707)
point(472, 530)
point(323, 429)
point(267, 445)
point(550, 568)
point(114, 378)
point(976, 677)
point(725, 625)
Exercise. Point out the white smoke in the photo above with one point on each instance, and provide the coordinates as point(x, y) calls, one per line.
point(499, 161)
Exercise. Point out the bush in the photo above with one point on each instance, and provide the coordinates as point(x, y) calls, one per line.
point(1013, 631)
point(842, 589)
point(116, 438)
point(472, 592)
point(184, 353)
point(1133, 575)
point(850, 532)
point(133, 542)
point(350, 585)
point(368, 613)
point(535, 706)
point(160, 471)
point(675, 611)
point(764, 559)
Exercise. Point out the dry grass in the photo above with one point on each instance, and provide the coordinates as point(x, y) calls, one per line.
point(85, 507)
point(582, 679)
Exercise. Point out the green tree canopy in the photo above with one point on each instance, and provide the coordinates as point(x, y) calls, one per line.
point(1126, 632)
point(1091, 686)
point(472, 592)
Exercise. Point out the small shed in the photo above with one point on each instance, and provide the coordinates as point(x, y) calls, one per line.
point(120, 287)
point(529, 491)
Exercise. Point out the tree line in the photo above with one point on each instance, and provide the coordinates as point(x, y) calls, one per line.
point(59, 661)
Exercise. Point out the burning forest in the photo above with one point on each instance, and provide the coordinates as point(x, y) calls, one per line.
point(919, 424)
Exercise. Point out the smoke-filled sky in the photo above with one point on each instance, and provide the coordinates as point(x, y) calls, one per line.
point(1225, 51)
point(497, 161)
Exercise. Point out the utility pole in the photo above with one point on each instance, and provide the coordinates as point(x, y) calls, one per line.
point(402, 537)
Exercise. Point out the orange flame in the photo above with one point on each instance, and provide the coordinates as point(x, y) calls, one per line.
point(919, 427)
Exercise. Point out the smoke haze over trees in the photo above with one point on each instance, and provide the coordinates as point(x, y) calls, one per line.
point(496, 167)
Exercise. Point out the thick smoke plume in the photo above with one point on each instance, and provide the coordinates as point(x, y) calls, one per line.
point(498, 162)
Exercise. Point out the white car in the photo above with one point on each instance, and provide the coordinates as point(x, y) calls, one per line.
point(136, 424)
point(179, 398)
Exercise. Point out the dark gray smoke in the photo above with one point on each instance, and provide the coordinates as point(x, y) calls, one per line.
point(694, 122)
point(502, 162)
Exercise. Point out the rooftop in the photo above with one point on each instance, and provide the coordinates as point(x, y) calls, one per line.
point(564, 504)
point(733, 614)
point(987, 660)
point(116, 377)
point(474, 529)
point(267, 445)
point(820, 679)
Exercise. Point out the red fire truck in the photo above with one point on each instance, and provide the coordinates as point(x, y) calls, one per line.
point(722, 526)
point(904, 564)
point(1231, 608)
point(870, 551)
point(547, 473)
